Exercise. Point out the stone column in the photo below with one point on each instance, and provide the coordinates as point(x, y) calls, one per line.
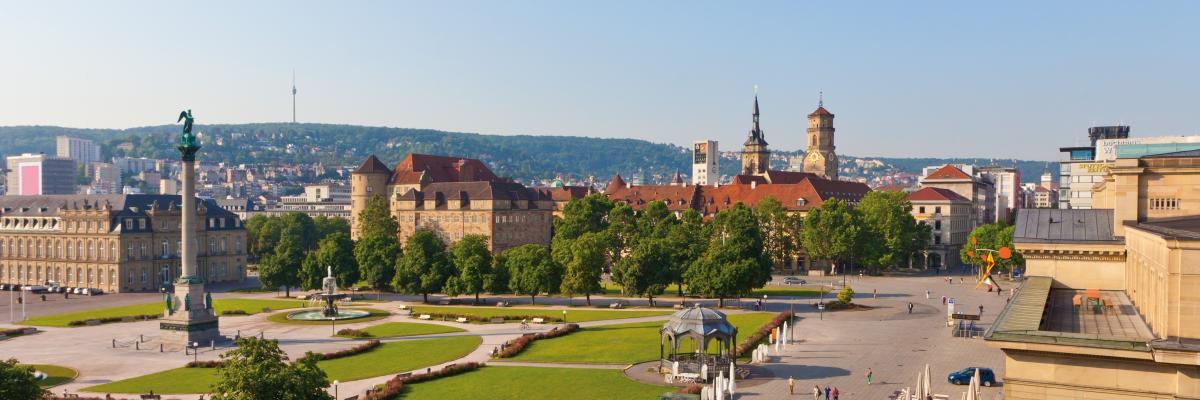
point(188, 225)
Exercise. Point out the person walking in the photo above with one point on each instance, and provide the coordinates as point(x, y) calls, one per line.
point(836, 393)
point(981, 310)
point(910, 306)
point(869, 375)
point(791, 385)
point(816, 392)
point(826, 391)
point(927, 294)
point(874, 293)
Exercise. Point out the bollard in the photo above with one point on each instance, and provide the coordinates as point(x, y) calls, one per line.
point(214, 344)
point(114, 343)
point(141, 338)
point(137, 345)
point(160, 347)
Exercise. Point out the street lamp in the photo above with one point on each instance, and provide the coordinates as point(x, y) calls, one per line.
point(195, 352)
point(564, 316)
point(335, 393)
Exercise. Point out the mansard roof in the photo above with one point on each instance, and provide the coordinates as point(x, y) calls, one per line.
point(440, 169)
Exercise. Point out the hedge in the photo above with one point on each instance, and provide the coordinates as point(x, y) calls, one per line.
point(392, 388)
point(362, 348)
point(481, 319)
point(762, 333)
point(234, 312)
point(513, 347)
point(106, 320)
point(348, 332)
point(14, 332)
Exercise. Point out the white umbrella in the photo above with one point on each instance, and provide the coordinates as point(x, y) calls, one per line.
point(926, 389)
point(918, 393)
point(732, 378)
point(720, 386)
point(777, 337)
point(973, 387)
point(785, 332)
point(704, 371)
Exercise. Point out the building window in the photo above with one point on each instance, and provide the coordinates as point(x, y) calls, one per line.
point(112, 248)
point(142, 224)
point(921, 209)
point(143, 247)
point(129, 252)
point(937, 210)
point(212, 247)
point(166, 249)
point(237, 246)
point(937, 225)
point(143, 276)
point(129, 280)
point(937, 239)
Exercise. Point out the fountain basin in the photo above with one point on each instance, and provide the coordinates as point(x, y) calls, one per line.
point(319, 315)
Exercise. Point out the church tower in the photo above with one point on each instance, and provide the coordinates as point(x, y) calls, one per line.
point(756, 158)
point(821, 160)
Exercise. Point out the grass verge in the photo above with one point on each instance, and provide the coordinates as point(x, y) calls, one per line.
point(249, 306)
point(573, 315)
point(400, 329)
point(534, 383)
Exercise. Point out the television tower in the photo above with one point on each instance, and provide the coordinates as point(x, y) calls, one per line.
point(293, 95)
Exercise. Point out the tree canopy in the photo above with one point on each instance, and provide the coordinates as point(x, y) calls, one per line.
point(17, 382)
point(532, 271)
point(473, 266)
point(831, 231)
point(336, 251)
point(733, 263)
point(258, 370)
point(583, 268)
point(424, 267)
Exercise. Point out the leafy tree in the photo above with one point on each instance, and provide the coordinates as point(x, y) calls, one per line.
point(326, 226)
point(846, 295)
point(831, 231)
point(282, 269)
point(686, 242)
point(262, 234)
point(922, 234)
point(258, 370)
point(532, 271)
point(583, 215)
point(585, 265)
point(376, 254)
point(733, 263)
point(376, 218)
point(780, 231)
point(300, 226)
point(497, 281)
point(337, 251)
point(887, 215)
point(991, 237)
point(622, 232)
point(655, 220)
point(473, 264)
point(645, 270)
point(424, 267)
point(18, 383)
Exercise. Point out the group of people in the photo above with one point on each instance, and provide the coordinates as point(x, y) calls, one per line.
point(830, 393)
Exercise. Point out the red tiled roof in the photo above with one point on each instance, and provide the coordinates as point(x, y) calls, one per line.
point(747, 179)
point(676, 197)
point(821, 111)
point(935, 194)
point(566, 193)
point(892, 188)
point(441, 169)
point(746, 189)
point(1040, 189)
point(948, 172)
point(615, 183)
point(788, 176)
point(372, 164)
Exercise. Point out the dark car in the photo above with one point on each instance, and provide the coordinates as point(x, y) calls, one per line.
point(963, 377)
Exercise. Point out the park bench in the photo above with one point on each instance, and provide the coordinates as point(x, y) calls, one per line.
point(151, 397)
point(461, 320)
point(502, 304)
point(539, 320)
point(403, 307)
point(497, 320)
point(444, 302)
point(425, 317)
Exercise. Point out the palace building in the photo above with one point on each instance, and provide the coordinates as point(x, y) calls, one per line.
point(116, 243)
point(797, 192)
point(454, 197)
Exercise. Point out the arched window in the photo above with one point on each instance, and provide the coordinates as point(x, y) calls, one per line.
point(29, 252)
point(100, 250)
point(166, 249)
point(58, 244)
point(20, 247)
point(143, 249)
point(112, 248)
point(39, 248)
point(222, 245)
point(91, 254)
point(79, 251)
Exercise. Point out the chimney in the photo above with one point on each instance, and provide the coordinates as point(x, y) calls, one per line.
point(753, 184)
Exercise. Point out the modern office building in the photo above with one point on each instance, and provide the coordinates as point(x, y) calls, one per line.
point(106, 179)
point(1007, 183)
point(83, 151)
point(705, 162)
point(1081, 171)
point(40, 174)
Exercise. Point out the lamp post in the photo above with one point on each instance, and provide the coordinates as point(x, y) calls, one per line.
point(195, 351)
point(335, 387)
point(564, 316)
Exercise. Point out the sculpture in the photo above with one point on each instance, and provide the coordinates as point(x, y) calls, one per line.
point(170, 307)
point(187, 141)
point(207, 300)
point(187, 302)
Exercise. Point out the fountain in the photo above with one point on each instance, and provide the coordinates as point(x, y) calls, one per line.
point(329, 310)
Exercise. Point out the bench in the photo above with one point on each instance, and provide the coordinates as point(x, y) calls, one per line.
point(93, 322)
point(496, 320)
point(425, 317)
point(403, 307)
point(461, 320)
point(616, 305)
point(539, 320)
point(444, 302)
point(404, 375)
point(502, 304)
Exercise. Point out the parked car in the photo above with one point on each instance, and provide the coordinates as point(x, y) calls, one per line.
point(34, 288)
point(963, 377)
point(791, 280)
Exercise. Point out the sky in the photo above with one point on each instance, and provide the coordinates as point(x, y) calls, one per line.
point(905, 79)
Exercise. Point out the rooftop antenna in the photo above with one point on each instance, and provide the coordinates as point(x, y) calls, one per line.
point(820, 99)
point(293, 95)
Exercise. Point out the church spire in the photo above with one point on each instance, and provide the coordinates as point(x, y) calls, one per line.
point(756, 133)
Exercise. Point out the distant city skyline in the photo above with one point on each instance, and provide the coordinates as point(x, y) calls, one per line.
point(1012, 80)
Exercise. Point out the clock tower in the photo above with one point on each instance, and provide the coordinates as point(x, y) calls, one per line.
point(821, 159)
point(756, 158)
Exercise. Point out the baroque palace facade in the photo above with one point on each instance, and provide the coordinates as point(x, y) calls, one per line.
point(454, 197)
point(116, 243)
point(797, 192)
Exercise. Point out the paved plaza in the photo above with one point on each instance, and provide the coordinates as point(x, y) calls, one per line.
point(833, 349)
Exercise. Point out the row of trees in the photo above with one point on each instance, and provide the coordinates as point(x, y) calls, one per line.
point(645, 252)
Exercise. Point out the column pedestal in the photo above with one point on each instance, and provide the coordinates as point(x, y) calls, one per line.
point(190, 323)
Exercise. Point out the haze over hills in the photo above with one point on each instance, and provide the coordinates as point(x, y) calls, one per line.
point(523, 157)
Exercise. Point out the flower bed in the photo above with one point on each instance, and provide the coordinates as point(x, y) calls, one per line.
point(488, 319)
point(392, 388)
point(234, 312)
point(205, 364)
point(106, 320)
point(763, 333)
point(513, 347)
point(15, 332)
point(371, 344)
point(356, 333)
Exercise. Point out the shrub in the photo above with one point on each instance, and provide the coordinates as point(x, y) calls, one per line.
point(763, 333)
point(846, 295)
point(106, 320)
point(515, 346)
point(234, 312)
point(14, 332)
point(205, 364)
point(348, 332)
point(476, 318)
point(392, 388)
point(370, 344)
point(691, 389)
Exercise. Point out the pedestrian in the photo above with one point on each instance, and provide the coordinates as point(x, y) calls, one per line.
point(816, 393)
point(791, 385)
point(43, 297)
point(910, 306)
point(869, 375)
point(960, 280)
point(874, 293)
point(826, 391)
point(927, 294)
point(981, 310)
point(836, 393)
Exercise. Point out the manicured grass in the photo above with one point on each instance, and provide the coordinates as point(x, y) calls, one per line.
point(250, 306)
point(805, 291)
point(283, 319)
point(623, 343)
point(55, 375)
point(535, 383)
point(398, 329)
point(573, 315)
point(388, 358)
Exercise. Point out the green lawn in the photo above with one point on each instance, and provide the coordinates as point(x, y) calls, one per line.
point(388, 358)
point(612, 289)
point(398, 329)
point(534, 383)
point(55, 375)
point(573, 315)
point(250, 306)
point(283, 319)
point(623, 343)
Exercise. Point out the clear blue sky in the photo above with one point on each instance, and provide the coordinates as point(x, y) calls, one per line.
point(904, 78)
